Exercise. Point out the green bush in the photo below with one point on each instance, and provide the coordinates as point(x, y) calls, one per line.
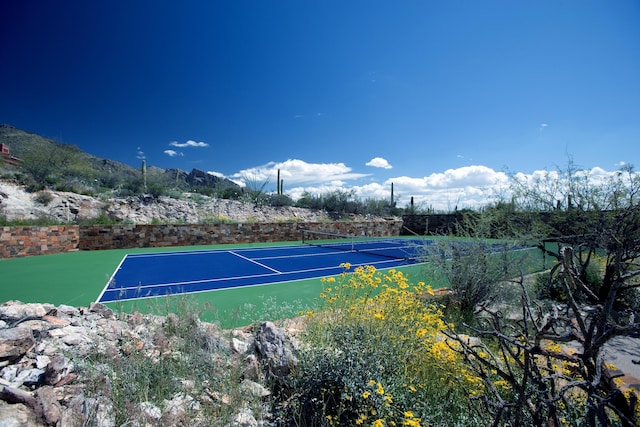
point(43, 197)
point(278, 200)
point(375, 354)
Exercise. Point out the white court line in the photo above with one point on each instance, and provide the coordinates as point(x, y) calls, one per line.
point(111, 278)
point(255, 262)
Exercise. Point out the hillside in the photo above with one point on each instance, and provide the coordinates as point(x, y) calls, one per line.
point(16, 204)
point(53, 164)
point(61, 183)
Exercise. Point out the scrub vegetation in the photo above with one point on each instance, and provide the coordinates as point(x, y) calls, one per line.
point(498, 346)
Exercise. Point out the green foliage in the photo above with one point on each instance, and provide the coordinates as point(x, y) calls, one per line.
point(309, 201)
point(231, 193)
point(278, 200)
point(40, 221)
point(342, 203)
point(43, 197)
point(374, 355)
point(595, 241)
point(52, 162)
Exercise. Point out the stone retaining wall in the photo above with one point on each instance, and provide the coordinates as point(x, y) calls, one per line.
point(23, 241)
point(142, 236)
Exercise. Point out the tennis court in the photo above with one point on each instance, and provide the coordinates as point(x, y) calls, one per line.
point(147, 275)
point(232, 284)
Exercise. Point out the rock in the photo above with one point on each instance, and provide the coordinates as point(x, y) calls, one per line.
point(102, 310)
point(274, 350)
point(51, 355)
point(239, 346)
point(15, 342)
point(51, 410)
point(18, 415)
point(71, 207)
point(254, 389)
point(70, 335)
point(58, 368)
point(251, 368)
point(104, 413)
point(178, 406)
point(244, 418)
point(14, 312)
point(150, 411)
point(29, 377)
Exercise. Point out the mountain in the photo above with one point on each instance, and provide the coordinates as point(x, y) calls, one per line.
point(52, 163)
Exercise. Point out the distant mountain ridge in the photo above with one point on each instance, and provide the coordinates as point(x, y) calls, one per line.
point(26, 145)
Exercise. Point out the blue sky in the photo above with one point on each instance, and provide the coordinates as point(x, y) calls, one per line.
point(438, 97)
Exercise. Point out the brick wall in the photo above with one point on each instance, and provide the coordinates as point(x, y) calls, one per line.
point(24, 241)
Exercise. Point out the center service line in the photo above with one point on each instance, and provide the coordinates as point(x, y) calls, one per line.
point(255, 262)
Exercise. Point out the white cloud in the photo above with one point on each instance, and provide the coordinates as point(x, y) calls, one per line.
point(465, 187)
point(476, 175)
point(189, 143)
point(140, 154)
point(172, 153)
point(295, 172)
point(379, 162)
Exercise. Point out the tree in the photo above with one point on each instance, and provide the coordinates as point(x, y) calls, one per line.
point(532, 374)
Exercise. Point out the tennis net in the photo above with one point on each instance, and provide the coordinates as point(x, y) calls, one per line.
point(396, 248)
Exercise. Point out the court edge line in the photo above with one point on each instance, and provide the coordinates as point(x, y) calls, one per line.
point(113, 275)
point(255, 262)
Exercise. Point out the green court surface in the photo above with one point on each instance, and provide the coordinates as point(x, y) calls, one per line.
point(77, 279)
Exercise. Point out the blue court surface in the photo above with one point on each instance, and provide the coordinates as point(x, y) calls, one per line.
point(171, 273)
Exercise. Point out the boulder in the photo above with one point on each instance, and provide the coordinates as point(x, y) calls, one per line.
point(275, 350)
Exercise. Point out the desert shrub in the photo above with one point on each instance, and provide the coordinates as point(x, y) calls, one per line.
point(309, 201)
point(43, 197)
point(277, 200)
point(179, 349)
point(374, 354)
point(230, 193)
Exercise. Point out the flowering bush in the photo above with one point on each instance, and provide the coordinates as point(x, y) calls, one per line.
point(374, 354)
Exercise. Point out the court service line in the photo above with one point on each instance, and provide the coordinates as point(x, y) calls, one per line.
point(255, 262)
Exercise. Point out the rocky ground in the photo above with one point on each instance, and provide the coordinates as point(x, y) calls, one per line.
point(17, 204)
point(53, 370)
